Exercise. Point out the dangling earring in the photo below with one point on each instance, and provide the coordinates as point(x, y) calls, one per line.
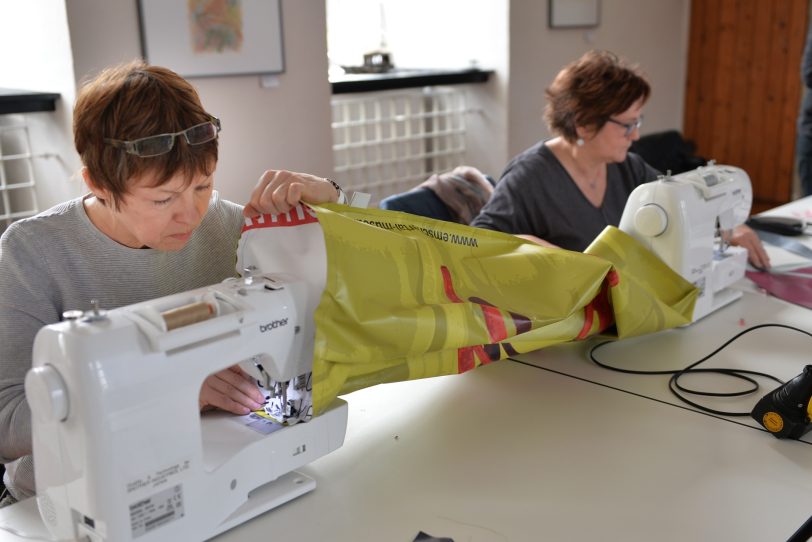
point(580, 141)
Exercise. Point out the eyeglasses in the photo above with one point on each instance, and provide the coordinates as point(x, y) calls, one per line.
point(163, 143)
point(630, 126)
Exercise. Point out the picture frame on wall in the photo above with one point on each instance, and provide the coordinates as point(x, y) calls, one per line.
point(205, 38)
point(574, 13)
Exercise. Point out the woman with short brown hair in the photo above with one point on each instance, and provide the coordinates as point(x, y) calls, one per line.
point(565, 190)
point(151, 225)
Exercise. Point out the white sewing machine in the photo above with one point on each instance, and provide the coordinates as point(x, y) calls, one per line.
point(680, 217)
point(121, 449)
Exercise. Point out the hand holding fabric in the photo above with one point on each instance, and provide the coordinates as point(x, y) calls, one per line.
point(232, 390)
point(278, 191)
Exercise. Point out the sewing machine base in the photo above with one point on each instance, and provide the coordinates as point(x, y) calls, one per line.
point(720, 299)
point(241, 474)
point(264, 498)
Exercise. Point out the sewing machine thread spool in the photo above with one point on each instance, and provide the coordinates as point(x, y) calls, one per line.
point(188, 314)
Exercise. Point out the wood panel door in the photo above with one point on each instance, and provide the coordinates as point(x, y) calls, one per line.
point(743, 88)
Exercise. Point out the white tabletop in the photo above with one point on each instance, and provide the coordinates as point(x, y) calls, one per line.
point(556, 448)
point(509, 452)
point(801, 208)
point(560, 449)
point(780, 352)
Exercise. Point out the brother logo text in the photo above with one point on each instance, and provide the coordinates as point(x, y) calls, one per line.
point(273, 325)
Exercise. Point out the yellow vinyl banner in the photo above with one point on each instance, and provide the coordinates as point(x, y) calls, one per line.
point(410, 297)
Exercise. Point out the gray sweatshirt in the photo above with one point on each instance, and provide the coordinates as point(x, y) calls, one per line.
point(57, 261)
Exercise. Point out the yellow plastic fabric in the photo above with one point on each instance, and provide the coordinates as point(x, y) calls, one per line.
point(409, 297)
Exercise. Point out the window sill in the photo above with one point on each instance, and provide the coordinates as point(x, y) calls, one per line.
point(403, 78)
point(26, 101)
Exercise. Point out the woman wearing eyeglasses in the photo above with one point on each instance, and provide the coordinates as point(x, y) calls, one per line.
point(564, 191)
point(151, 225)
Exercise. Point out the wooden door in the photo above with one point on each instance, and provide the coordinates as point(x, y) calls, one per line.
point(744, 88)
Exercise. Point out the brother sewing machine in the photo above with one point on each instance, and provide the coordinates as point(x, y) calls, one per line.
point(122, 451)
point(681, 218)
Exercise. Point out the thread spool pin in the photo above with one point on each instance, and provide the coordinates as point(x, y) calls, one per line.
point(248, 274)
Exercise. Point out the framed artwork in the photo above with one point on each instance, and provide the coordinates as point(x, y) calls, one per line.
point(200, 38)
point(574, 13)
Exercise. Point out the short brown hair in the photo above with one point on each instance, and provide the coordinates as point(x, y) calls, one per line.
point(135, 100)
point(590, 90)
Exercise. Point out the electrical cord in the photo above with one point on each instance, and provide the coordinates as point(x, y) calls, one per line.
point(675, 386)
point(803, 533)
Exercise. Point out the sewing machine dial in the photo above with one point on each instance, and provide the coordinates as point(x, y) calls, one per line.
point(47, 394)
point(651, 220)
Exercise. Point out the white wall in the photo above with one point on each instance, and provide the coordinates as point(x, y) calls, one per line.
point(423, 34)
point(418, 33)
point(651, 33)
point(288, 126)
point(488, 122)
point(284, 127)
point(512, 38)
point(36, 56)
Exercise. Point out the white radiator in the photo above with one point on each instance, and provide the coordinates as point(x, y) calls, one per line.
point(17, 194)
point(389, 142)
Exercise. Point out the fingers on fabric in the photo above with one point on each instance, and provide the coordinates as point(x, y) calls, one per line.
point(231, 390)
point(745, 237)
point(278, 191)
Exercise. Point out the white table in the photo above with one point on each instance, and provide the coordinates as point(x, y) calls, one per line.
point(556, 448)
point(510, 452)
point(571, 451)
point(780, 352)
point(516, 452)
point(801, 208)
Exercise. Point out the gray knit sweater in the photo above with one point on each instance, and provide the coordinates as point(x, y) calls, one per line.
point(57, 261)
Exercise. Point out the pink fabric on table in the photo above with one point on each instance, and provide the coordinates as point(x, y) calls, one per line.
point(795, 288)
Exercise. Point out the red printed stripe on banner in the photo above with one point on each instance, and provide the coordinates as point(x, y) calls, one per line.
point(465, 359)
point(601, 306)
point(495, 323)
point(297, 216)
point(588, 314)
point(448, 285)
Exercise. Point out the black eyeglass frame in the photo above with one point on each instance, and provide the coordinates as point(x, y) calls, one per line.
point(629, 126)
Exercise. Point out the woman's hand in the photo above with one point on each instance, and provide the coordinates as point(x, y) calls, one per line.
point(744, 236)
point(232, 390)
point(278, 191)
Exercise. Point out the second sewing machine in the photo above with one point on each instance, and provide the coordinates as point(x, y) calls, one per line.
point(685, 219)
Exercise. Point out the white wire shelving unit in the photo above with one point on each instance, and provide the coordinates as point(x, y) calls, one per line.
point(18, 198)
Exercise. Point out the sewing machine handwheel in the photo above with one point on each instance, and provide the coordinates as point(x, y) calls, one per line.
point(47, 394)
point(650, 220)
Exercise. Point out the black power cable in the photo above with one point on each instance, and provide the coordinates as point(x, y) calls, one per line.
point(675, 386)
point(803, 533)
